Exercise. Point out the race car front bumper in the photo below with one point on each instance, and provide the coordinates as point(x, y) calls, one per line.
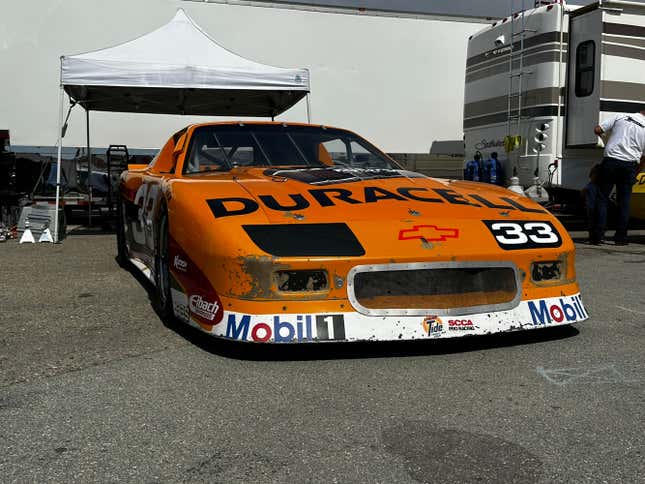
point(354, 326)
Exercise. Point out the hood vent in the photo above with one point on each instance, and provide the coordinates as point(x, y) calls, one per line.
point(305, 240)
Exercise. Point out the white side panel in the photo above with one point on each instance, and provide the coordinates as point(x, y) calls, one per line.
point(623, 62)
point(542, 75)
point(575, 167)
point(583, 105)
point(623, 69)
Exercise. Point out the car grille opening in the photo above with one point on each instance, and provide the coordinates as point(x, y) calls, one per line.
point(546, 271)
point(435, 288)
point(301, 281)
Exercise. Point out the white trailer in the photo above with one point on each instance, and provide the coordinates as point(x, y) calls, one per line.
point(549, 75)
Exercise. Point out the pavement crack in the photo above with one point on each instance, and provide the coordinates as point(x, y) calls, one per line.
point(642, 313)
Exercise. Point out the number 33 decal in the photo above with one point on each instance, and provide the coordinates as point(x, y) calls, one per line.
point(524, 235)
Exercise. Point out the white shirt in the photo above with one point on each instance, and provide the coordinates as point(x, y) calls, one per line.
point(627, 138)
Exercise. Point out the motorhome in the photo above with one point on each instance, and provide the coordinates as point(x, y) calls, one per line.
point(539, 81)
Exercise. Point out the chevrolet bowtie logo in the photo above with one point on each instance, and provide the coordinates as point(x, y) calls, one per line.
point(429, 233)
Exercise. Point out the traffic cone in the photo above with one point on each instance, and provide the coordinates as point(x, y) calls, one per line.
point(46, 236)
point(27, 236)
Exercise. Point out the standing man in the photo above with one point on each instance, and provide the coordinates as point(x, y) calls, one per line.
point(474, 168)
point(624, 158)
point(493, 169)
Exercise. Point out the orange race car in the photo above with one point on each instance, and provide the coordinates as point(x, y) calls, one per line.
point(290, 233)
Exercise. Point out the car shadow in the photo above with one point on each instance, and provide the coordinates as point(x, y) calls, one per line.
point(365, 349)
point(350, 350)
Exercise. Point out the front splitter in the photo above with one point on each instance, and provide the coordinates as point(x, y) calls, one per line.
point(353, 326)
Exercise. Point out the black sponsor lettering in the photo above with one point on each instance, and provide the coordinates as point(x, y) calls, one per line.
point(299, 202)
point(320, 194)
point(374, 194)
point(521, 207)
point(489, 204)
point(407, 192)
point(453, 197)
point(327, 197)
point(337, 322)
point(223, 207)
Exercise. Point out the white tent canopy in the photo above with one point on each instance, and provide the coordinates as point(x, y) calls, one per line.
point(179, 69)
point(176, 69)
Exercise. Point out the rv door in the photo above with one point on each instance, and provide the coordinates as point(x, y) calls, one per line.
point(583, 91)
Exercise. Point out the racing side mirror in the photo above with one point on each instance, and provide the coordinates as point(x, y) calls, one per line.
point(179, 146)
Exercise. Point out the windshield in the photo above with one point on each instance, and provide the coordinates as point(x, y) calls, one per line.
point(222, 147)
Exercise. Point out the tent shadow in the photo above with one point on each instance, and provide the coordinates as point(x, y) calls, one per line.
point(84, 230)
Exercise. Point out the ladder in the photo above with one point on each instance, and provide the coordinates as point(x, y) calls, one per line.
point(515, 96)
point(117, 161)
point(516, 56)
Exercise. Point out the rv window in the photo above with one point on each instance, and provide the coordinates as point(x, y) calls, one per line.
point(585, 68)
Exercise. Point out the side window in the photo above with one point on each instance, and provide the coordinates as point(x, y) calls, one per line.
point(585, 68)
point(337, 151)
point(242, 156)
point(204, 155)
point(362, 158)
point(221, 151)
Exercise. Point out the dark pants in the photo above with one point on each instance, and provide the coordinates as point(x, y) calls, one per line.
point(622, 174)
point(590, 193)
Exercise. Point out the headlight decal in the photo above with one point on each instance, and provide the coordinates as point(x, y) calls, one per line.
point(305, 240)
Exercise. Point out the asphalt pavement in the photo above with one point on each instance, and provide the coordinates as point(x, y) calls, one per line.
point(95, 388)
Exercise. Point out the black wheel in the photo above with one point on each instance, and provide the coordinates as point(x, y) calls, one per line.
point(163, 300)
point(121, 249)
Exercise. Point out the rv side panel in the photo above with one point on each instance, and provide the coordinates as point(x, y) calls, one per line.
point(623, 61)
point(515, 92)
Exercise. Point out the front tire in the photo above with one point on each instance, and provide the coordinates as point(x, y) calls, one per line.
point(163, 298)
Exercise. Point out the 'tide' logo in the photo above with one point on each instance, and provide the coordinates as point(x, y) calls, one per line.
point(429, 233)
point(327, 327)
point(432, 325)
point(541, 314)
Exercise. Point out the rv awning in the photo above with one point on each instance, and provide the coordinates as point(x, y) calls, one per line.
point(179, 69)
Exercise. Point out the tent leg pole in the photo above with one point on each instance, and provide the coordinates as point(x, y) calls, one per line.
point(89, 166)
point(308, 110)
point(58, 164)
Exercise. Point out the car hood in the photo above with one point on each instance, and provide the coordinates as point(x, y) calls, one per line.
point(325, 195)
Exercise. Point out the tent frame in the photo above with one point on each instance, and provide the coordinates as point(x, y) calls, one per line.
point(61, 99)
point(75, 79)
point(61, 134)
